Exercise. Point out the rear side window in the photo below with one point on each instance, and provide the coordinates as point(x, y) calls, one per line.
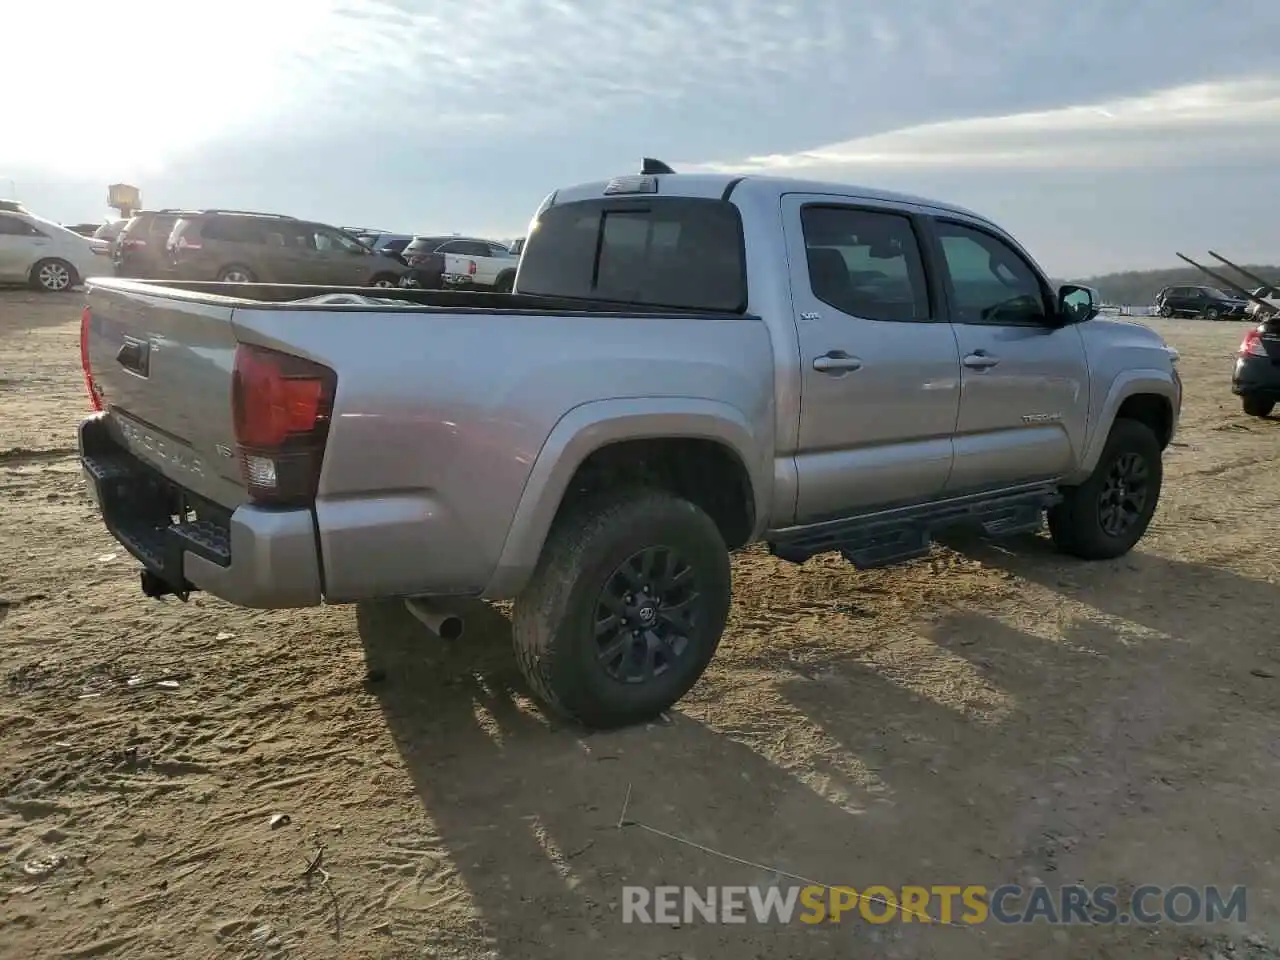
point(234, 230)
point(865, 263)
point(680, 253)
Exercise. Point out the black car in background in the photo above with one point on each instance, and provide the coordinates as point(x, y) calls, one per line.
point(1256, 378)
point(1209, 303)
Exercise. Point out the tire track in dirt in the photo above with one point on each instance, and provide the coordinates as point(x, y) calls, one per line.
point(20, 456)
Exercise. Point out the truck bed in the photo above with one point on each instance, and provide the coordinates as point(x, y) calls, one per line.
point(444, 403)
point(306, 297)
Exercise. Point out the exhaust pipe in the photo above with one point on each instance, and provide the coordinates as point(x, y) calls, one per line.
point(443, 623)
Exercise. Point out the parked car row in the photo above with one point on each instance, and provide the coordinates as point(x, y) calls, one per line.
point(243, 247)
point(436, 262)
point(246, 247)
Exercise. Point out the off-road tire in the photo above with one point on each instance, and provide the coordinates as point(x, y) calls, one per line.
point(1257, 407)
point(1075, 524)
point(553, 624)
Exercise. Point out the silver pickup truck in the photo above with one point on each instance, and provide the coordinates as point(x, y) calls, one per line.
point(688, 364)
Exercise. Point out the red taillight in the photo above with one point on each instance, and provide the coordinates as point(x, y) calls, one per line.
point(281, 406)
point(85, 320)
point(471, 266)
point(1251, 345)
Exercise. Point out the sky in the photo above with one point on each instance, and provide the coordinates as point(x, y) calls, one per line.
point(1104, 135)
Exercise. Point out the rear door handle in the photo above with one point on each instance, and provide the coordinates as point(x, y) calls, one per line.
point(979, 360)
point(836, 362)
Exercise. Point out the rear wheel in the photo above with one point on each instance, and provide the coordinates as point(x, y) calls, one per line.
point(384, 280)
point(1166, 311)
point(1257, 407)
point(625, 609)
point(1105, 516)
point(236, 273)
point(53, 276)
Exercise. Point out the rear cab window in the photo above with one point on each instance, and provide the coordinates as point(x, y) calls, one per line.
point(679, 253)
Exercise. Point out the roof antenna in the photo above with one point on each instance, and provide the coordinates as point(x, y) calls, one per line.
point(649, 166)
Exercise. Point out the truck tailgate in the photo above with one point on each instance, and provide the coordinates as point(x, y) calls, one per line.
point(162, 369)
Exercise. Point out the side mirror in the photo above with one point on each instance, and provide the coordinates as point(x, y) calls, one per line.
point(1077, 304)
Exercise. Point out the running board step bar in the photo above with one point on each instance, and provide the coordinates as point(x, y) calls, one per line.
point(895, 536)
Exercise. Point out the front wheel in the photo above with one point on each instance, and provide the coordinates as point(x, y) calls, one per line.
point(1166, 311)
point(505, 283)
point(625, 608)
point(1212, 313)
point(1104, 517)
point(384, 280)
point(1256, 407)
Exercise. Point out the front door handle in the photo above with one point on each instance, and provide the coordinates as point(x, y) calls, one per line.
point(836, 362)
point(979, 360)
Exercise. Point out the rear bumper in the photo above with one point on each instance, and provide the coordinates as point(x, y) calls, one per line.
point(250, 556)
point(1256, 377)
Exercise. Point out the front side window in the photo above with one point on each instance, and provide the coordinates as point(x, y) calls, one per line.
point(865, 263)
point(990, 281)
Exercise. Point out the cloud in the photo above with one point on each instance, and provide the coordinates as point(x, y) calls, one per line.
point(148, 81)
point(1180, 126)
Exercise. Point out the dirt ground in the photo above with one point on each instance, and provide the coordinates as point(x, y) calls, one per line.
point(981, 717)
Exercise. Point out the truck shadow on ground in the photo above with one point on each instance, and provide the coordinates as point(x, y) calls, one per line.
point(529, 808)
point(1209, 615)
point(1091, 736)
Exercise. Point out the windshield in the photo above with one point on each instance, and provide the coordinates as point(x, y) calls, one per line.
point(677, 252)
point(50, 225)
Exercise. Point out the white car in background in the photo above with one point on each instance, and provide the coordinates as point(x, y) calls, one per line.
point(460, 261)
point(1269, 294)
point(44, 254)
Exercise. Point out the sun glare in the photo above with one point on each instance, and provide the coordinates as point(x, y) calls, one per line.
point(121, 89)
